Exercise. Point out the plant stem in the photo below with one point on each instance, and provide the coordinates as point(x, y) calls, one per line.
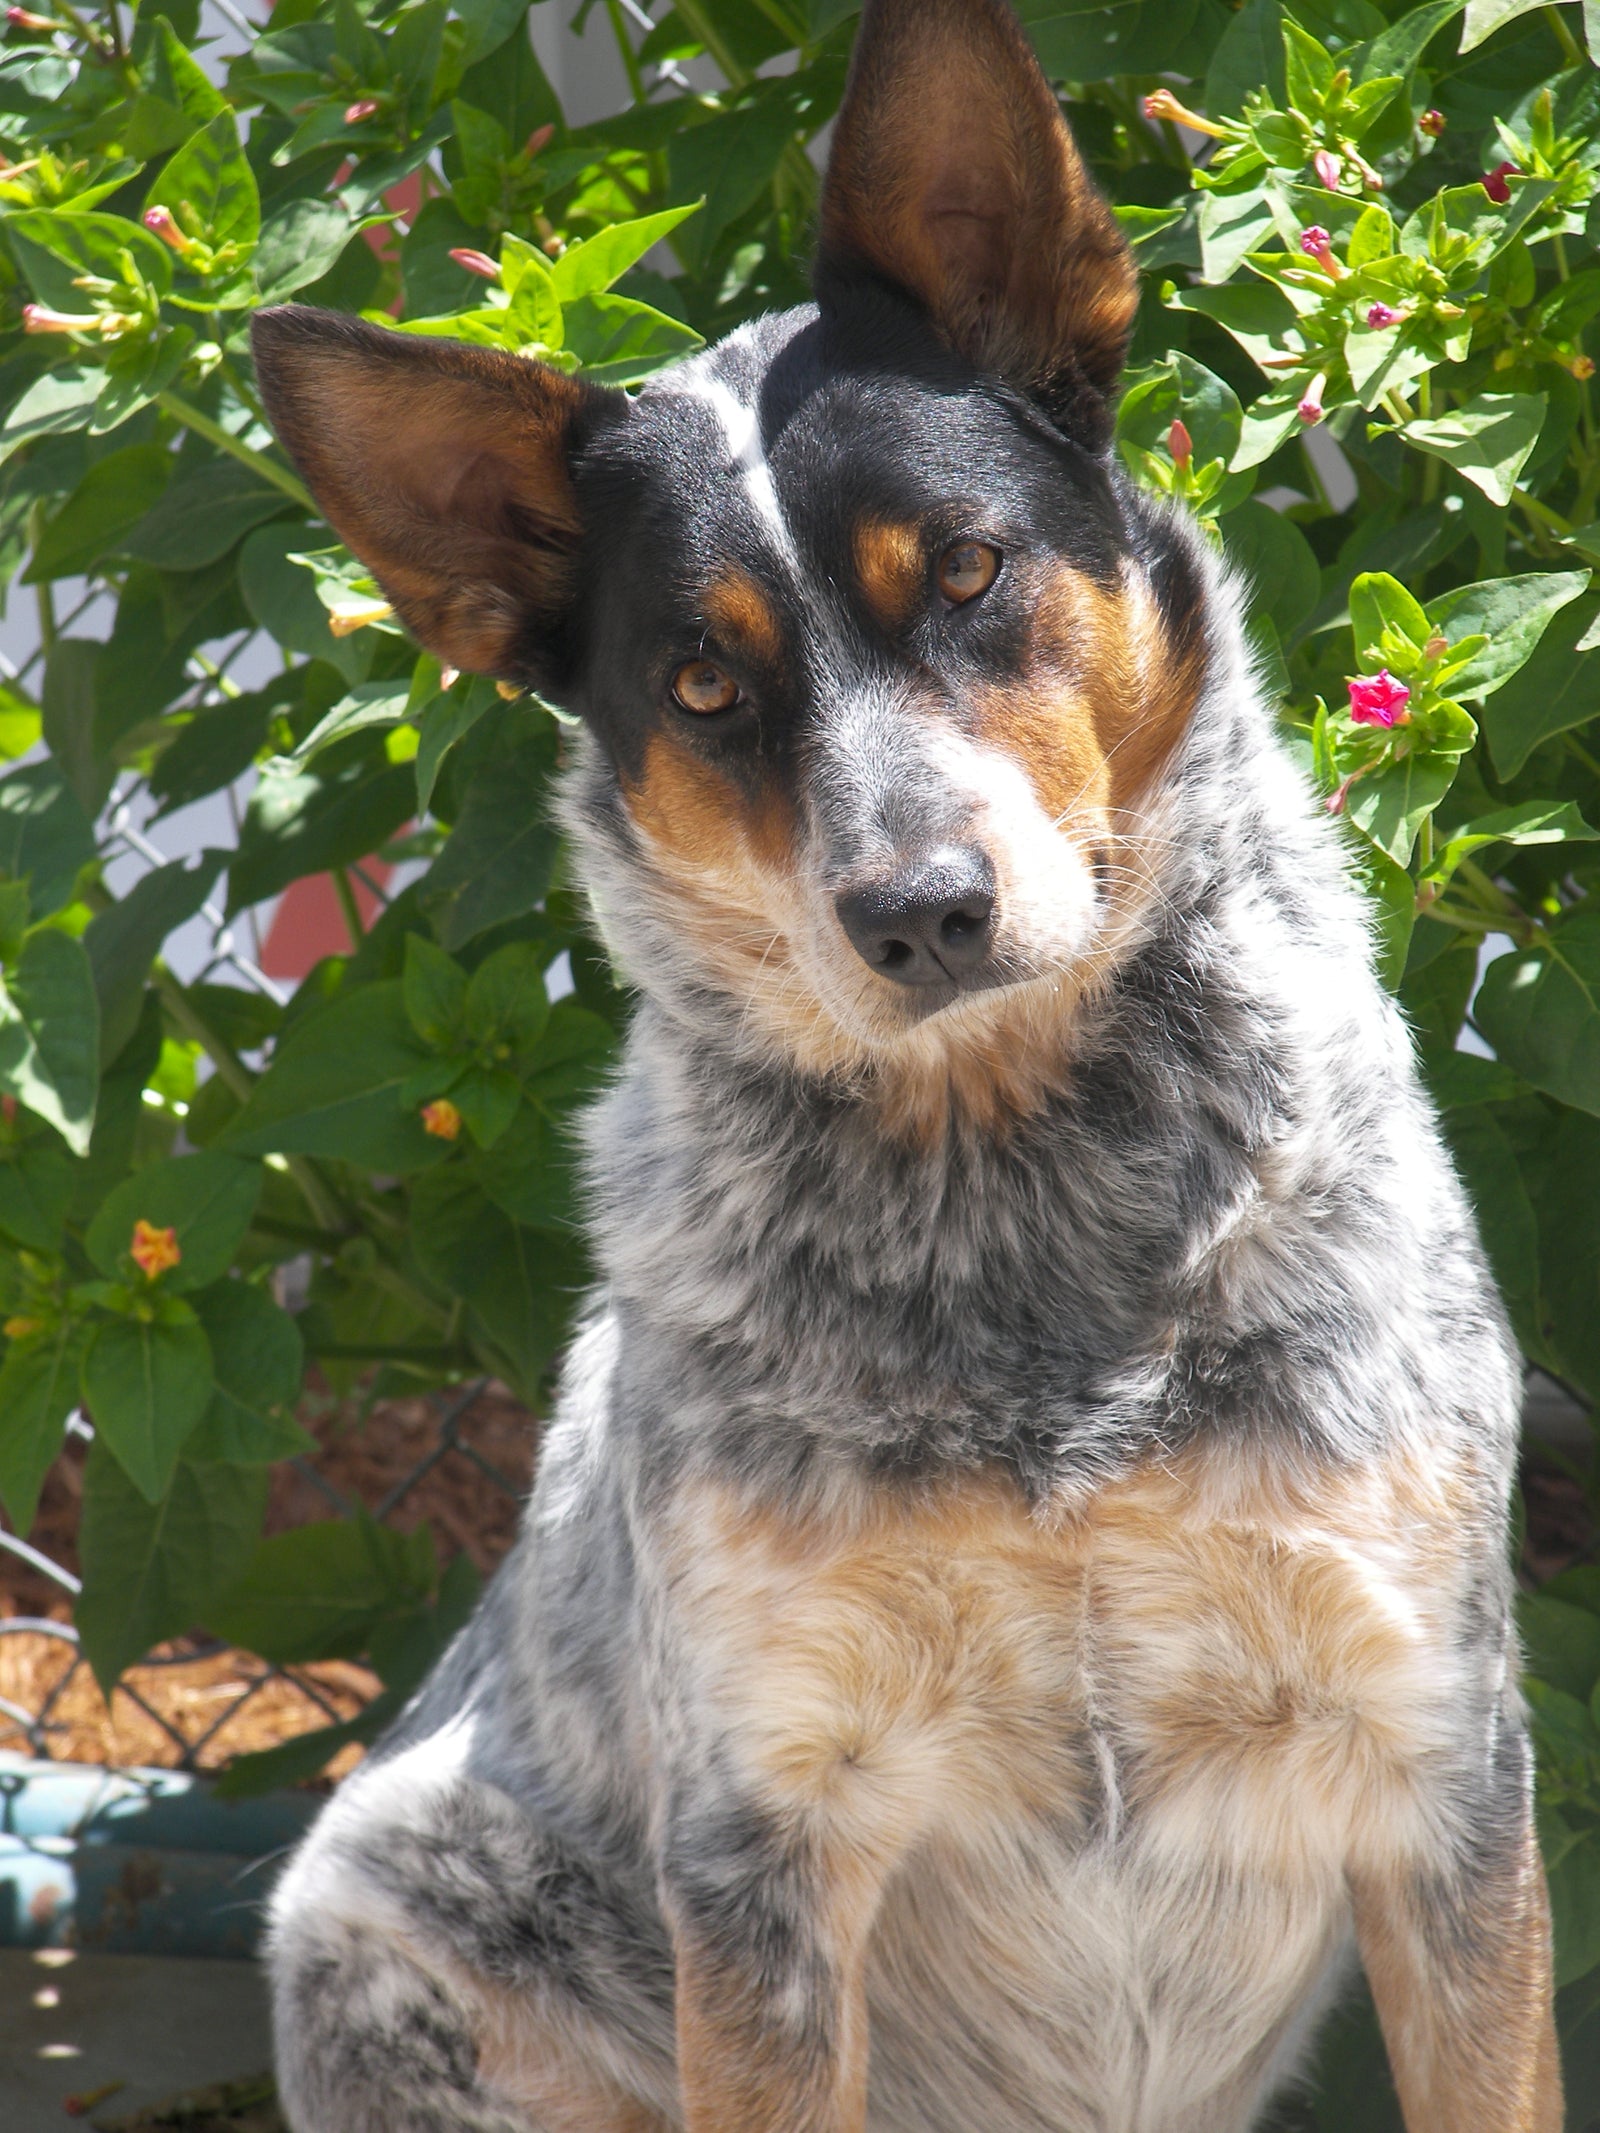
point(1563, 36)
point(348, 905)
point(214, 433)
point(630, 58)
point(1541, 514)
point(1577, 748)
point(698, 16)
point(1478, 922)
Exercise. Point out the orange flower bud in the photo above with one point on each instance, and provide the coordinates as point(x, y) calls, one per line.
point(1179, 443)
point(15, 1329)
point(441, 1119)
point(153, 1250)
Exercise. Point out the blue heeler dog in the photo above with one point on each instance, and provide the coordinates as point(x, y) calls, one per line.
point(1016, 1596)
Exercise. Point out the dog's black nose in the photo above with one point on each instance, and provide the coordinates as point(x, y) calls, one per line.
point(927, 923)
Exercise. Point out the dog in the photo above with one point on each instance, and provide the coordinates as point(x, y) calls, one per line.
point(1016, 1596)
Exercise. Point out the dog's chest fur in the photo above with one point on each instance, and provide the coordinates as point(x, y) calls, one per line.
point(1114, 1765)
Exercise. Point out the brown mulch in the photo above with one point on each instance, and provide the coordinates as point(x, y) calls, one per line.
point(363, 1455)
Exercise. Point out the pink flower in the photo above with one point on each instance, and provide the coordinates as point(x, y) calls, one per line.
point(538, 141)
point(1328, 168)
point(1180, 444)
point(39, 318)
point(20, 19)
point(1432, 123)
point(475, 262)
point(1378, 699)
point(362, 108)
point(1494, 182)
point(1310, 408)
point(1381, 315)
point(1318, 245)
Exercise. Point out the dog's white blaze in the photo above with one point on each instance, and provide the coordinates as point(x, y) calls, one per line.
point(741, 426)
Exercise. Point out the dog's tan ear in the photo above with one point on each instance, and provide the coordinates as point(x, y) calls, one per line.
point(445, 468)
point(954, 176)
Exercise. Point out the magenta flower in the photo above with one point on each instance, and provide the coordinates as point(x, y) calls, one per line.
point(161, 222)
point(1494, 182)
point(1378, 699)
point(1381, 315)
point(1318, 245)
point(1328, 168)
point(1310, 408)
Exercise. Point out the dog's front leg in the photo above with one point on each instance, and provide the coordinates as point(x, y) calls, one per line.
point(1458, 1958)
point(770, 1934)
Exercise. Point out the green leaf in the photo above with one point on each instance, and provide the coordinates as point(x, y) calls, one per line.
point(298, 245)
point(209, 1199)
point(1392, 804)
point(203, 516)
point(1484, 17)
point(38, 1390)
point(1566, 1195)
point(1513, 613)
point(60, 400)
point(219, 743)
point(507, 1007)
point(257, 1365)
point(435, 988)
point(1379, 602)
point(211, 174)
point(292, 1762)
point(55, 250)
point(50, 1035)
point(1559, 687)
point(521, 1285)
point(36, 1182)
point(1393, 897)
point(282, 597)
point(1080, 41)
point(306, 821)
point(151, 1570)
point(1488, 440)
point(1532, 822)
point(45, 836)
point(589, 267)
point(1277, 563)
point(115, 494)
point(333, 1088)
point(497, 863)
point(1488, 1166)
point(370, 703)
point(1562, 1643)
point(1540, 1009)
point(1575, 1907)
point(1248, 57)
point(320, 1591)
point(122, 942)
point(619, 341)
point(444, 722)
point(147, 1382)
point(68, 719)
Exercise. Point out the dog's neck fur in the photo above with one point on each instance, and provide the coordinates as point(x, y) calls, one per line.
point(807, 1292)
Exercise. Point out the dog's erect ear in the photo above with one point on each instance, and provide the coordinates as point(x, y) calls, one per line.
point(445, 468)
point(954, 176)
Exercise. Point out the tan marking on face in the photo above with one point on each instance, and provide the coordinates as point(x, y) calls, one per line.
point(1272, 1658)
point(741, 618)
point(688, 808)
point(892, 569)
point(1467, 2009)
point(1104, 700)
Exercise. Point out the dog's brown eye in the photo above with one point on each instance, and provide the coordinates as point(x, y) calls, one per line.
point(701, 687)
point(968, 569)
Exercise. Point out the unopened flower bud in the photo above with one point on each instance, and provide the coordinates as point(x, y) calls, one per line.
point(357, 615)
point(1495, 184)
point(538, 141)
point(39, 318)
point(363, 108)
point(1436, 647)
point(441, 1119)
point(1432, 123)
point(475, 262)
point(1328, 168)
point(1581, 366)
point(162, 223)
point(1162, 104)
point(1310, 408)
point(448, 677)
point(20, 19)
point(1381, 315)
point(1180, 444)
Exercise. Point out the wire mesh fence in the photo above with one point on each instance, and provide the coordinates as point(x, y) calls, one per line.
point(196, 1701)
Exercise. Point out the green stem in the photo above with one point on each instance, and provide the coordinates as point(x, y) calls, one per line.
point(630, 58)
point(1478, 922)
point(1541, 514)
point(782, 20)
point(698, 17)
point(212, 672)
point(1584, 757)
point(1563, 36)
point(348, 905)
point(214, 433)
point(43, 595)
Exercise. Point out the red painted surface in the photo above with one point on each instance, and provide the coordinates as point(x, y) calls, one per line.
point(309, 921)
